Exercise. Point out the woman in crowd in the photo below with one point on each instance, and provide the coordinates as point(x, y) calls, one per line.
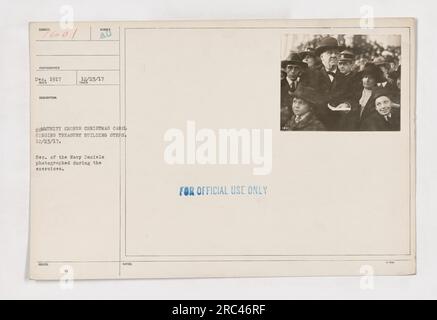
point(363, 103)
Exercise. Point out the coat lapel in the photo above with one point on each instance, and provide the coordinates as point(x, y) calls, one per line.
point(326, 78)
point(303, 123)
point(368, 108)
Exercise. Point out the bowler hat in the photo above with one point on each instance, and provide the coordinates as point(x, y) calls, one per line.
point(328, 43)
point(370, 69)
point(346, 55)
point(293, 59)
point(307, 94)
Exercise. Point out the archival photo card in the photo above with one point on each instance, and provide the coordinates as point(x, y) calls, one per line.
point(169, 149)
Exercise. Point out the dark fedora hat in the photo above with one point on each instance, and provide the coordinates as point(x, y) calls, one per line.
point(370, 69)
point(307, 94)
point(294, 60)
point(346, 55)
point(328, 43)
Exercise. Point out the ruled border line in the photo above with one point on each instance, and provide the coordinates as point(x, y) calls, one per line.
point(121, 261)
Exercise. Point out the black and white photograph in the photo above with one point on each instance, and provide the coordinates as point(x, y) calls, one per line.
point(339, 82)
point(150, 153)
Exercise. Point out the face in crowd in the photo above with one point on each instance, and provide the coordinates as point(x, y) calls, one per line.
point(300, 106)
point(362, 63)
point(398, 82)
point(330, 59)
point(345, 67)
point(385, 68)
point(369, 82)
point(293, 72)
point(309, 60)
point(392, 66)
point(383, 105)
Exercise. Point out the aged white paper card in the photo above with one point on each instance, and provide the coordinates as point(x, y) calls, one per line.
point(222, 149)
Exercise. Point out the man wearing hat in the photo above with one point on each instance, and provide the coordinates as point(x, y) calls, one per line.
point(346, 62)
point(331, 84)
point(294, 67)
point(385, 65)
point(391, 61)
point(386, 117)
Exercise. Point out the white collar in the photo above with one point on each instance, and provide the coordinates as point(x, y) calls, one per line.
point(298, 119)
point(335, 70)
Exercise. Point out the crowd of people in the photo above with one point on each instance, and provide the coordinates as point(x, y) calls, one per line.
point(334, 89)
